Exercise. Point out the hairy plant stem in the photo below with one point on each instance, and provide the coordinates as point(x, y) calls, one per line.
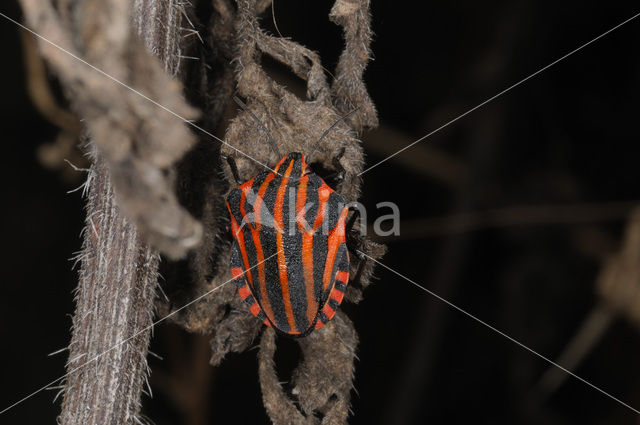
point(107, 365)
point(114, 302)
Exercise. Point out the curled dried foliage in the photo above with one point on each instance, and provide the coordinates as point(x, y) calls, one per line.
point(201, 188)
point(619, 279)
point(321, 383)
point(138, 146)
point(323, 380)
point(348, 87)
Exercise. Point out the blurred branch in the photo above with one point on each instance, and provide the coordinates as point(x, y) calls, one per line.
point(618, 286)
point(423, 159)
point(39, 90)
point(187, 382)
point(619, 282)
point(414, 383)
point(586, 338)
point(526, 215)
point(51, 155)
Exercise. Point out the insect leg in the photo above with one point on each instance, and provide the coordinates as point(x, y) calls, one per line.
point(234, 168)
point(338, 176)
point(363, 260)
point(352, 219)
point(361, 264)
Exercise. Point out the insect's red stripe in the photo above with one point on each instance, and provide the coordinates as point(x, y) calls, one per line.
point(255, 309)
point(324, 192)
point(342, 277)
point(236, 272)
point(335, 239)
point(243, 197)
point(255, 236)
point(301, 200)
point(328, 311)
point(239, 236)
point(323, 196)
point(307, 249)
point(244, 292)
point(264, 298)
point(280, 164)
point(307, 264)
point(257, 207)
point(282, 262)
point(337, 295)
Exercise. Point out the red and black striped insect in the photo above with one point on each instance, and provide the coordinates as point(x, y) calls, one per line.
point(289, 257)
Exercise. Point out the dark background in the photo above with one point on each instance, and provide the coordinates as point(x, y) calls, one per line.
point(568, 136)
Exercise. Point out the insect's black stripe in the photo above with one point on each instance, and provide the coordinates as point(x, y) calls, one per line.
point(335, 206)
point(269, 245)
point(236, 259)
point(293, 254)
point(320, 244)
point(312, 199)
point(252, 255)
point(261, 316)
point(239, 282)
point(234, 205)
point(340, 286)
point(237, 262)
point(320, 247)
point(342, 259)
point(258, 180)
point(296, 170)
point(253, 193)
point(333, 304)
point(323, 317)
point(250, 300)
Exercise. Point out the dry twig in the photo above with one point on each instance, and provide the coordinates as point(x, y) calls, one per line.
point(133, 152)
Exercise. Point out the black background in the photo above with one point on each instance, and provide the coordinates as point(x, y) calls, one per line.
point(568, 135)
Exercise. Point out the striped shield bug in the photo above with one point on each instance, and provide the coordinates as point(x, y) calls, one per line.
point(289, 259)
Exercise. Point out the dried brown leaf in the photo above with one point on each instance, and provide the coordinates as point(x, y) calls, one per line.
point(138, 143)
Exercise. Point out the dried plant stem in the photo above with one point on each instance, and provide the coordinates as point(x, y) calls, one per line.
point(107, 365)
point(114, 301)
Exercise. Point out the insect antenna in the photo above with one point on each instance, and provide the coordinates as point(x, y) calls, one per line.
point(315, 147)
point(245, 108)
